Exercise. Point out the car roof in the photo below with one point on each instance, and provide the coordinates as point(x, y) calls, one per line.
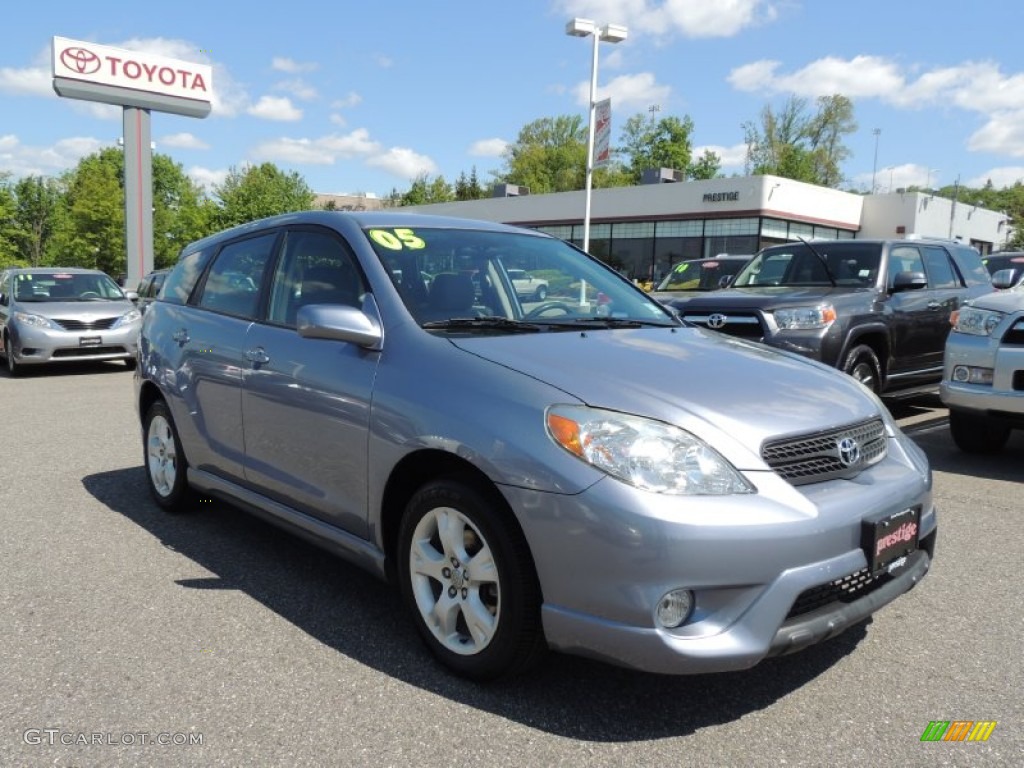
point(362, 219)
point(56, 271)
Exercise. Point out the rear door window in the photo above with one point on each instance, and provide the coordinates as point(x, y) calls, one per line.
point(233, 283)
point(939, 269)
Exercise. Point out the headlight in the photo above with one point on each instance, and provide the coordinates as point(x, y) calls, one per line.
point(976, 322)
point(805, 318)
point(647, 454)
point(128, 317)
point(37, 320)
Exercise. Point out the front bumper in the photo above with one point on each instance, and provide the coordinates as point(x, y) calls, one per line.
point(34, 345)
point(773, 573)
point(1005, 396)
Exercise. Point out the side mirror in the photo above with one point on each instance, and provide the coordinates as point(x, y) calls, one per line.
point(132, 296)
point(1004, 278)
point(909, 281)
point(339, 322)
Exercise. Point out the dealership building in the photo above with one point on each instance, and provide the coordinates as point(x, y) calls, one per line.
point(643, 230)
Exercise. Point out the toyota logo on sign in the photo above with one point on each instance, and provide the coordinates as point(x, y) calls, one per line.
point(82, 60)
point(717, 320)
point(849, 451)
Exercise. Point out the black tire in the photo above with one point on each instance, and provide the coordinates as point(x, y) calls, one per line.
point(541, 293)
point(504, 598)
point(13, 368)
point(131, 363)
point(862, 364)
point(164, 460)
point(976, 433)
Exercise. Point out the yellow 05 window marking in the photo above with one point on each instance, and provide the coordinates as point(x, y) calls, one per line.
point(397, 239)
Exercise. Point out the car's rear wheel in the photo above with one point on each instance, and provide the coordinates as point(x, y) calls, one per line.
point(13, 368)
point(541, 293)
point(467, 577)
point(862, 364)
point(975, 433)
point(166, 468)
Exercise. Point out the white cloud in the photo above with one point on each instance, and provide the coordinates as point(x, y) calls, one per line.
point(182, 141)
point(33, 81)
point(27, 160)
point(351, 99)
point(690, 18)
point(285, 64)
point(626, 90)
point(1006, 176)
point(274, 108)
point(325, 150)
point(403, 163)
point(734, 157)
point(206, 177)
point(861, 76)
point(488, 148)
point(298, 88)
point(1002, 134)
point(338, 120)
point(384, 62)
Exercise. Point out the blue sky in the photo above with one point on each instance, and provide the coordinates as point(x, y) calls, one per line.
point(362, 97)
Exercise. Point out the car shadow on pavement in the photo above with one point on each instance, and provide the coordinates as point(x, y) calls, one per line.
point(363, 618)
point(944, 456)
point(65, 369)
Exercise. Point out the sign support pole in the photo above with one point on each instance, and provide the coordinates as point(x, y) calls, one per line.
point(138, 198)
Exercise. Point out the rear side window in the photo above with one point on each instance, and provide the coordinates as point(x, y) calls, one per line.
point(971, 266)
point(233, 283)
point(939, 269)
point(183, 278)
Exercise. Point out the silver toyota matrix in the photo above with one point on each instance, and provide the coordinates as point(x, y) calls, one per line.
point(574, 469)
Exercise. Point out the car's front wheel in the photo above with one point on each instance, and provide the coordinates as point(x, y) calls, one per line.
point(166, 468)
point(13, 368)
point(862, 364)
point(975, 433)
point(541, 293)
point(467, 577)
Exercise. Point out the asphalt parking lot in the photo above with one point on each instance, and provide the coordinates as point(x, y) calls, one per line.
point(131, 637)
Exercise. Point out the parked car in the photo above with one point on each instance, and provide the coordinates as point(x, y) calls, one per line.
point(585, 474)
point(688, 278)
point(1007, 260)
point(983, 373)
point(149, 288)
point(876, 309)
point(65, 315)
point(527, 286)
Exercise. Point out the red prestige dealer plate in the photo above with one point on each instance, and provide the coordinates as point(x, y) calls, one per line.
point(890, 539)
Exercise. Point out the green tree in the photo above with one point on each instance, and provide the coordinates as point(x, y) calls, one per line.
point(707, 166)
point(424, 191)
point(181, 213)
point(37, 201)
point(9, 255)
point(258, 191)
point(549, 155)
point(650, 143)
point(795, 145)
point(89, 232)
point(468, 188)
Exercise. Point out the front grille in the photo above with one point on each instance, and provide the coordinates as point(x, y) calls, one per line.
point(820, 456)
point(844, 590)
point(746, 325)
point(89, 351)
point(1015, 334)
point(99, 324)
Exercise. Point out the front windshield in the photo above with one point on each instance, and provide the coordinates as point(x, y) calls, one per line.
point(849, 263)
point(501, 279)
point(699, 274)
point(65, 286)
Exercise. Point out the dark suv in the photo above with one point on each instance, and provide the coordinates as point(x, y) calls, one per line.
point(876, 309)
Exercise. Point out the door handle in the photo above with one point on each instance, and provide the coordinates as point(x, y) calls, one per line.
point(181, 336)
point(257, 356)
point(934, 305)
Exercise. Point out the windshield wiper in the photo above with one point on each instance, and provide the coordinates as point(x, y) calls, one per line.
point(616, 322)
point(824, 262)
point(488, 323)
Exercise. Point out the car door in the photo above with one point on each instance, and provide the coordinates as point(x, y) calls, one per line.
point(212, 336)
point(946, 291)
point(912, 319)
point(306, 402)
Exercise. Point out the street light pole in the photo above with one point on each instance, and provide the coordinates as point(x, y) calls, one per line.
point(610, 33)
point(874, 168)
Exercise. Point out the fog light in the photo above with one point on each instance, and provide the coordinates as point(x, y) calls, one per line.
point(674, 608)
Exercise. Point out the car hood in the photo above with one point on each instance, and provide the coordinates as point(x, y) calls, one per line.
point(776, 295)
point(696, 379)
point(79, 310)
point(1001, 301)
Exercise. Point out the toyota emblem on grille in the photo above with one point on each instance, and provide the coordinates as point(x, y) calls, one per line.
point(849, 451)
point(717, 320)
point(83, 61)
